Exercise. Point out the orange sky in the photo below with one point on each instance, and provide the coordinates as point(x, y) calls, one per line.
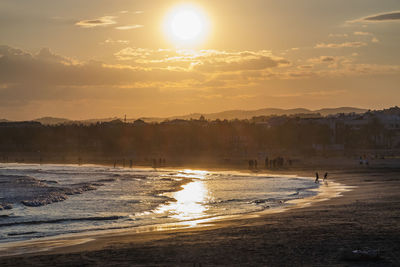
point(92, 59)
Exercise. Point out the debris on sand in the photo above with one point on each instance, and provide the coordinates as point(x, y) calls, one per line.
point(361, 255)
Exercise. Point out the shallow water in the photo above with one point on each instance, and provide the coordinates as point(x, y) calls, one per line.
point(127, 198)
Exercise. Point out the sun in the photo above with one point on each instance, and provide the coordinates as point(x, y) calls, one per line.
point(186, 25)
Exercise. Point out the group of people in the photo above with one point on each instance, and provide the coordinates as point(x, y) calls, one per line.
point(317, 177)
point(277, 162)
point(161, 162)
point(253, 164)
point(158, 162)
point(271, 163)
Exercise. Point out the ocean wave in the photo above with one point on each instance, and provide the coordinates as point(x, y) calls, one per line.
point(55, 221)
point(258, 201)
point(106, 180)
point(21, 233)
point(33, 192)
point(134, 193)
point(128, 176)
point(48, 181)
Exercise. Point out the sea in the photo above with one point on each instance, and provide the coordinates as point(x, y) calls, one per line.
point(48, 200)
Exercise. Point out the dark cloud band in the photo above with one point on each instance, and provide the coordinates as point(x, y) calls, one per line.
point(384, 17)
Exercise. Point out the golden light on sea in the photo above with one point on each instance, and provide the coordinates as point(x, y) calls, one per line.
point(190, 201)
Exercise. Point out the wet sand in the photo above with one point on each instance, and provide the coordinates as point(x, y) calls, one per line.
point(316, 234)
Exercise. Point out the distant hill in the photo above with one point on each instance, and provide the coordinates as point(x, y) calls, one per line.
point(229, 115)
point(248, 114)
point(91, 121)
point(52, 121)
point(333, 111)
point(55, 121)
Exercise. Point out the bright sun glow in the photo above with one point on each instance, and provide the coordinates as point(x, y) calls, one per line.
point(186, 25)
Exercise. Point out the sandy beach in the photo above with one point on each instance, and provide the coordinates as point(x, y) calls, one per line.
point(319, 233)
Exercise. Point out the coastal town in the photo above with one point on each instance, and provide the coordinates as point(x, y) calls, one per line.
point(366, 137)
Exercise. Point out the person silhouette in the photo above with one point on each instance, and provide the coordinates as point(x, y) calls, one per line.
point(316, 177)
point(325, 176)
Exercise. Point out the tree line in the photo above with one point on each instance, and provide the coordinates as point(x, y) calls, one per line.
point(189, 138)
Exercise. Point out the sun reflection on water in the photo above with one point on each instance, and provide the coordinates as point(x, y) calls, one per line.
point(194, 174)
point(191, 200)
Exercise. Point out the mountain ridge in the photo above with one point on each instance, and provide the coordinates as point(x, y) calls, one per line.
point(227, 114)
point(248, 114)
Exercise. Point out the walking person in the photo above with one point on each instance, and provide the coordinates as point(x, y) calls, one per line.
point(325, 176)
point(316, 177)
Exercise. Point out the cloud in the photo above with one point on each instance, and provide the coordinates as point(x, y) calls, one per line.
point(203, 60)
point(363, 33)
point(99, 22)
point(341, 45)
point(45, 83)
point(138, 12)
point(312, 93)
point(167, 76)
point(389, 16)
point(382, 17)
point(305, 66)
point(375, 69)
point(327, 59)
point(129, 27)
point(48, 69)
point(227, 69)
point(245, 63)
point(322, 59)
point(112, 42)
point(338, 35)
point(375, 40)
point(130, 53)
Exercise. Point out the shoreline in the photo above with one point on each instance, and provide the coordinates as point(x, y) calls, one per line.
point(366, 217)
point(74, 242)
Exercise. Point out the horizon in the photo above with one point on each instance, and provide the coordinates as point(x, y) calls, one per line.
point(162, 58)
point(195, 113)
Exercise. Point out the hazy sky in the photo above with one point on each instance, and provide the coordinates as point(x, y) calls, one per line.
point(101, 58)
